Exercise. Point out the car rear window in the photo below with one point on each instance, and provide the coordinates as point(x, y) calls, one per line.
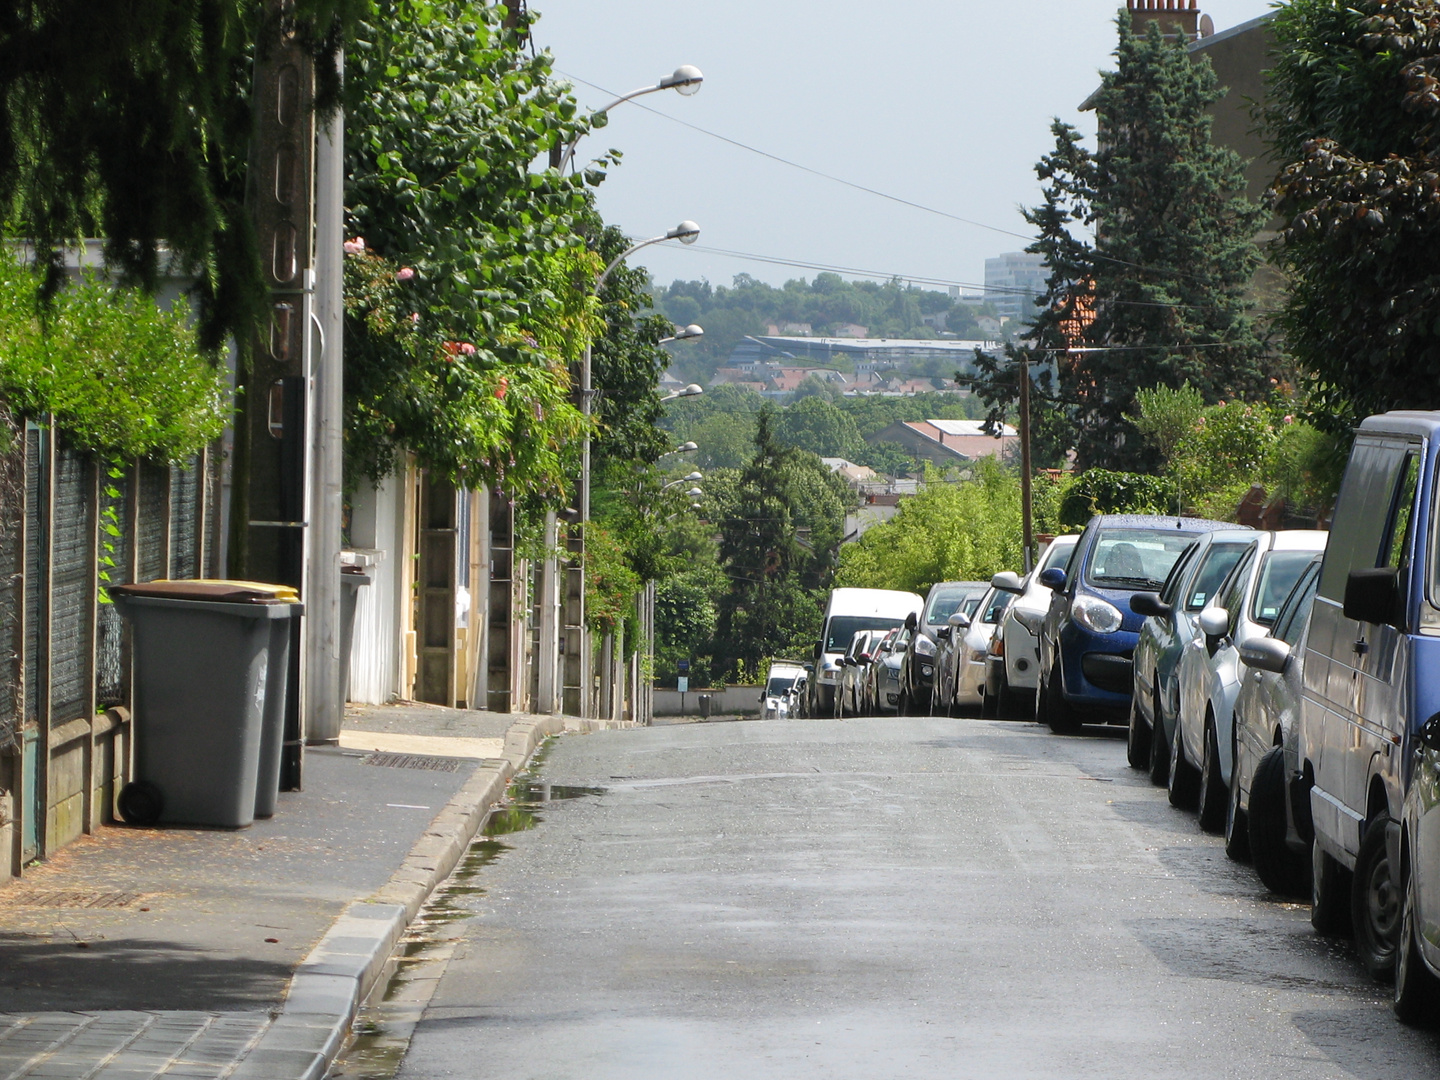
point(843, 629)
point(1278, 575)
point(943, 606)
point(1219, 561)
point(1134, 558)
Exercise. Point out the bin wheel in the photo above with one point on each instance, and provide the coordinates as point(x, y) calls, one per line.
point(140, 803)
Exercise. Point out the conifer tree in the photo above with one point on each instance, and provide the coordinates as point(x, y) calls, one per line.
point(1174, 253)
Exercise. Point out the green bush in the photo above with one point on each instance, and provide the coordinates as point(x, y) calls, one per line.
point(1101, 491)
point(120, 375)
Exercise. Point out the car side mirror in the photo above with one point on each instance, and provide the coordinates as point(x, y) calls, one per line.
point(1214, 622)
point(1008, 581)
point(911, 621)
point(762, 695)
point(863, 658)
point(1266, 654)
point(1429, 733)
point(959, 621)
point(1053, 578)
point(1149, 603)
point(1373, 596)
point(942, 633)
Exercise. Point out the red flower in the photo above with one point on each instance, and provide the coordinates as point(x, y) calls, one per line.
point(502, 387)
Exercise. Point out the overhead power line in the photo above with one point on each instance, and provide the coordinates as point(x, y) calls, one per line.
point(1027, 237)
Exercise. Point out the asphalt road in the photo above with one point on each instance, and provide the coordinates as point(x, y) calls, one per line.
point(884, 898)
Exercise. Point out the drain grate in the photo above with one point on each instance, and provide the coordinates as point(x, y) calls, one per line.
point(73, 898)
point(413, 761)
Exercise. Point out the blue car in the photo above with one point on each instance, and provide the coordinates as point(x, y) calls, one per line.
point(1087, 640)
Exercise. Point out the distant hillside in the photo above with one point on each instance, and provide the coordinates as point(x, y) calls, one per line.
point(829, 306)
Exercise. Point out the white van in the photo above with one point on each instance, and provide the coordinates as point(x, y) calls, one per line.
point(848, 612)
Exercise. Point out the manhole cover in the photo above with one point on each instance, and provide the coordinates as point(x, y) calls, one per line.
point(413, 761)
point(74, 898)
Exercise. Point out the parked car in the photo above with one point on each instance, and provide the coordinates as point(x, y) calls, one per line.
point(1267, 754)
point(1088, 636)
point(783, 683)
point(949, 648)
point(847, 611)
point(1209, 670)
point(883, 679)
point(917, 669)
point(1371, 688)
point(971, 657)
point(1015, 648)
point(848, 696)
point(1169, 626)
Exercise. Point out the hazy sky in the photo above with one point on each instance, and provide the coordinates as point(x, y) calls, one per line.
point(946, 103)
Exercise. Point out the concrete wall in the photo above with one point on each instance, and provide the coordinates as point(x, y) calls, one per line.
point(727, 701)
point(89, 763)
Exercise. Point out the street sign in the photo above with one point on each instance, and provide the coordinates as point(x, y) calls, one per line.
point(683, 666)
point(682, 683)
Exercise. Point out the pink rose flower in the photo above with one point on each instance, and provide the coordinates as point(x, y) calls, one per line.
point(405, 274)
point(466, 349)
point(414, 316)
point(355, 247)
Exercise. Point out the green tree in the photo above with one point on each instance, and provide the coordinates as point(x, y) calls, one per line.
point(1353, 120)
point(1175, 253)
point(132, 122)
point(1069, 176)
point(814, 424)
point(776, 578)
point(460, 339)
point(950, 531)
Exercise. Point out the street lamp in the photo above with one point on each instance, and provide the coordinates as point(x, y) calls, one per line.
point(690, 391)
point(684, 80)
point(683, 448)
point(683, 333)
point(694, 476)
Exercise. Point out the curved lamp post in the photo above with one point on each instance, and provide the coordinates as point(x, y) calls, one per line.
point(690, 391)
point(685, 80)
point(683, 333)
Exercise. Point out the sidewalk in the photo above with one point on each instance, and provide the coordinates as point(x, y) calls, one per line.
point(140, 953)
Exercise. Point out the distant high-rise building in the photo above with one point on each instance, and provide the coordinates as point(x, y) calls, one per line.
point(1012, 283)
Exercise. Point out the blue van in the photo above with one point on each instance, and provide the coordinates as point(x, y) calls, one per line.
point(1369, 747)
point(1087, 640)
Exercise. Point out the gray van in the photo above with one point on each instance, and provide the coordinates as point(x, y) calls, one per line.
point(1371, 681)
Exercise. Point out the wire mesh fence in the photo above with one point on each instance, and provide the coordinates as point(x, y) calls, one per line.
point(72, 523)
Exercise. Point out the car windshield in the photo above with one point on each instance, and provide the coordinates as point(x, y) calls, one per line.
point(942, 606)
point(1278, 575)
point(1135, 558)
point(843, 629)
point(780, 685)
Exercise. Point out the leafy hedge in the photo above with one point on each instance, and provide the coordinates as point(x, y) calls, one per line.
point(120, 375)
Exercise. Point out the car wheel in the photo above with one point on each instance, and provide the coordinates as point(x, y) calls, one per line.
point(1329, 894)
point(1059, 713)
point(1137, 741)
point(1213, 792)
point(1007, 702)
point(1282, 869)
point(1416, 989)
point(1183, 783)
point(1375, 904)
point(1159, 748)
point(1237, 823)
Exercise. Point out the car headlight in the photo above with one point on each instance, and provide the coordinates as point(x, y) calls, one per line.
point(924, 646)
point(1096, 615)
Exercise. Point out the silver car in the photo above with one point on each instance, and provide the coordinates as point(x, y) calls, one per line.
point(1267, 754)
point(1210, 668)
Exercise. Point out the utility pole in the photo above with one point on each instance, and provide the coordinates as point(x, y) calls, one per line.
point(1026, 533)
point(322, 605)
point(269, 511)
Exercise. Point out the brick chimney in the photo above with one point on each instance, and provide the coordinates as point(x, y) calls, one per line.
point(1170, 14)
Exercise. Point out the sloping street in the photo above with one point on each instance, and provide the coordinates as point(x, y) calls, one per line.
point(913, 897)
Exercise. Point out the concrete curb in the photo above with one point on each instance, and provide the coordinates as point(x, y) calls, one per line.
point(330, 984)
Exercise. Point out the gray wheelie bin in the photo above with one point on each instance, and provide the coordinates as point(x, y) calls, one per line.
point(203, 673)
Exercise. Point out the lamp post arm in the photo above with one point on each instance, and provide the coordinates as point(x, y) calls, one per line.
point(600, 281)
point(570, 149)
